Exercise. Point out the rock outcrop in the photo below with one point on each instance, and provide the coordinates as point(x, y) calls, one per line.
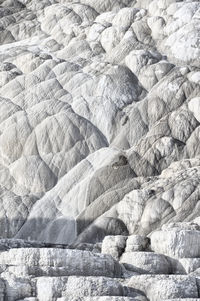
point(99, 150)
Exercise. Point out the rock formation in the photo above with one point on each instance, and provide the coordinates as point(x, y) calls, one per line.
point(99, 150)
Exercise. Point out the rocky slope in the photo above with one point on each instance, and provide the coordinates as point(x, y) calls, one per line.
point(99, 141)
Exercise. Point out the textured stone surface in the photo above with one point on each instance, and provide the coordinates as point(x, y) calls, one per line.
point(114, 245)
point(137, 243)
point(99, 141)
point(185, 299)
point(106, 299)
point(91, 106)
point(146, 263)
point(177, 242)
point(2, 290)
point(77, 287)
point(74, 262)
point(161, 287)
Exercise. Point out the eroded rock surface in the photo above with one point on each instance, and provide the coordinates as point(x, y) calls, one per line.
point(99, 144)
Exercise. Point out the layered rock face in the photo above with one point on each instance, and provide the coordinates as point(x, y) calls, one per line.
point(99, 150)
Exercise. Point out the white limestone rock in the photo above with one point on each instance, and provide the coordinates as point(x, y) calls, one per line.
point(190, 265)
point(160, 287)
point(194, 107)
point(2, 290)
point(177, 242)
point(76, 287)
point(185, 299)
point(74, 262)
point(114, 245)
point(104, 298)
point(91, 173)
point(136, 243)
point(17, 287)
point(56, 75)
point(146, 263)
point(99, 135)
point(29, 299)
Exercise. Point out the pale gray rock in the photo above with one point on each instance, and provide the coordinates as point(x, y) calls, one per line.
point(137, 243)
point(190, 264)
point(99, 136)
point(84, 288)
point(71, 287)
point(131, 94)
point(193, 106)
point(185, 299)
point(2, 290)
point(114, 245)
point(181, 226)
point(75, 262)
point(177, 242)
point(184, 266)
point(146, 263)
point(160, 287)
point(17, 287)
point(101, 227)
point(29, 299)
point(10, 243)
point(104, 298)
